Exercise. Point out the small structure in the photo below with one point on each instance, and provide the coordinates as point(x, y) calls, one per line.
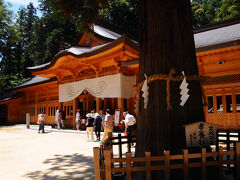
point(200, 134)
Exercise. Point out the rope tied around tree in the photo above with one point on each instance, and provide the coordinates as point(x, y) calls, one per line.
point(168, 78)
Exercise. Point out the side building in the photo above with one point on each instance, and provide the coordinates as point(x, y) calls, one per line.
point(102, 69)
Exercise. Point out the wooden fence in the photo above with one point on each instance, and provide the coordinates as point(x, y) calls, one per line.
point(227, 137)
point(105, 165)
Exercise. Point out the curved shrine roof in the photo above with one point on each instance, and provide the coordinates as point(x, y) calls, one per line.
point(81, 52)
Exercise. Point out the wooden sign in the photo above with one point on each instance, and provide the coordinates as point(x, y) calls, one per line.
point(117, 117)
point(200, 134)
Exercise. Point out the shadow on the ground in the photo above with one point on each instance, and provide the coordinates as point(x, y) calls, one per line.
point(75, 166)
point(5, 123)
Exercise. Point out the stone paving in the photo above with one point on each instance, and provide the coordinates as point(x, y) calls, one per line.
point(56, 154)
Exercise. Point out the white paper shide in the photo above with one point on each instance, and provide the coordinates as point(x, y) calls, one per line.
point(184, 90)
point(145, 92)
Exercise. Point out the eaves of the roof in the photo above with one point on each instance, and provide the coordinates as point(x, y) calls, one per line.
point(36, 80)
point(86, 52)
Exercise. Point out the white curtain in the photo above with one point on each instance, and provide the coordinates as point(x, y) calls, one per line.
point(111, 86)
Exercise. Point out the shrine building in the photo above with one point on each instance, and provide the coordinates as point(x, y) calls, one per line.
point(101, 70)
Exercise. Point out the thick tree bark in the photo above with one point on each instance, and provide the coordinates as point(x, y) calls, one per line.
point(166, 40)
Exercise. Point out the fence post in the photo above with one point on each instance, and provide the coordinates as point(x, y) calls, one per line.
point(129, 143)
point(217, 141)
point(108, 165)
point(220, 162)
point(203, 163)
point(102, 165)
point(148, 165)
point(128, 166)
point(110, 138)
point(96, 152)
point(238, 135)
point(185, 165)
point(237, 163)
point(120, 147)
point(167, 165)
point(228, 146)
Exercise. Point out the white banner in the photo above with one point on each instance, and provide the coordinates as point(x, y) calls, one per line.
point(111, 86)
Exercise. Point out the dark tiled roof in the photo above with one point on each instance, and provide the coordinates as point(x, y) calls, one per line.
point(34, 81)
point(9, 96)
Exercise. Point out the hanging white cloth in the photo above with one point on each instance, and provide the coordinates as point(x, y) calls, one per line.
point(111, 86)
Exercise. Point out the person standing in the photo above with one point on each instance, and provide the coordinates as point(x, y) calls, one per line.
point(102, 115)
point(90, 122)
point(56, 118)
point(63, 119)
point(41, 119)
point(108, 125)
point(59, 118)
point(98, 125)
point(77, 120)
point(129, 123)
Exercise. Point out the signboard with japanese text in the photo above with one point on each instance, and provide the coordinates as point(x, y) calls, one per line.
point(117, 117)
point(200, 134)
point(83, 121)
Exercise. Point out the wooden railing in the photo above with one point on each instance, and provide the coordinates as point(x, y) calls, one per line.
point(105, 165)
point(119, 141)
point(108, 144)
point(227, 137)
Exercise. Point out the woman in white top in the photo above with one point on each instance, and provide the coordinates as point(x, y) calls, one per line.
point(78, 119)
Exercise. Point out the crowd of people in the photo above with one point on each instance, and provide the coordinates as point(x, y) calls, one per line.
point(95, 121)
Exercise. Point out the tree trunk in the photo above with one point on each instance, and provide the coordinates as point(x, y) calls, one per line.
point(166, 41)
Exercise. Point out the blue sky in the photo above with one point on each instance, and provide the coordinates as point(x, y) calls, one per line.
point(16, 4)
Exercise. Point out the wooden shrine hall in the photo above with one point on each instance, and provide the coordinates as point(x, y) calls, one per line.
point(101, 71)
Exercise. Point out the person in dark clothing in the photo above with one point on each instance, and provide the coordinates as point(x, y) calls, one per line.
point(90, 122)
point(63, 119)
point(40, 121)
point(98, 125)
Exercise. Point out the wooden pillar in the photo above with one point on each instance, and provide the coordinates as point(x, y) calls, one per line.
point(234, 108)
point(121, 106)
point(46, 113)
point(224, 107)
point(74, 110)
point(96, 152)
point(60, 106)
point(105, 103)
point(87, 105)
point(130, 105)
point(36, 103)
point(113, 104)
point(98, 104)
point(214, 102)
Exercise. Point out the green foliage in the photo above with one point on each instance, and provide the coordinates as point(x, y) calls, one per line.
point(122, 14)
point(210, 11)
point(228, 9)
point(83, 12)
point(48, 34)
point(29, 41)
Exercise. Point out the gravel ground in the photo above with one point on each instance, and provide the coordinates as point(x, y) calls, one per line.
point(56, 154)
